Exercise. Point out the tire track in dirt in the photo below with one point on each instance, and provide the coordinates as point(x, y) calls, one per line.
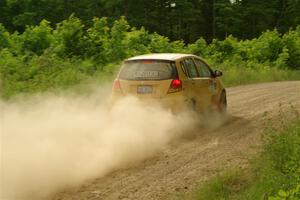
point(203, 153)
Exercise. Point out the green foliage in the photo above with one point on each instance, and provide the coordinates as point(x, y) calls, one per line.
point(97, 40)
point(288, 147)
point(159, 44)
point(118, 35)
point(136, 42)
point(293, 194)
point(282, 60)
point(69, 37)
point(222, 50)
point(270, 49)
point(224, 186)
point(42, 73)
point(198, 48)
point(240, 73)
point(36, 39)
point(42, 58)
point(292, 43)
point(178, 47)
point(185, 20)
point(4, 37)
point(278, 169)
point(273, 175)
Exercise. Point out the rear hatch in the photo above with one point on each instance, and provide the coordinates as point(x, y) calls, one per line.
point(147, 78)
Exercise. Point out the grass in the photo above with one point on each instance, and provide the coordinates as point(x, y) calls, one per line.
point(224, 186)
point(273, 175)
point(234, 76)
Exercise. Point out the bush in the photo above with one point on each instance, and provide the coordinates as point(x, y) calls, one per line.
point(97, 41)
point(198, 48)
point(223, 50)
point(292, 43)
point(36, 39)
point(69, 38)
point(159, 44)
point(117, 44)
point(268, 47)
point(136, 42)
point(41, 57)
point(4, 37)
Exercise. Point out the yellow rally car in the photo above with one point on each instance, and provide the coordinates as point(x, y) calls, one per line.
point(177, 81)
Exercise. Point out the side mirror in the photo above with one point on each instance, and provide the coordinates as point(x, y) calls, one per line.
point(218, 73)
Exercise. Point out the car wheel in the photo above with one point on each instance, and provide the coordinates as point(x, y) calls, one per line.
point(223, 102)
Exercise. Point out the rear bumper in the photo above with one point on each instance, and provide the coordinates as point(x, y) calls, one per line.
point(174, 101)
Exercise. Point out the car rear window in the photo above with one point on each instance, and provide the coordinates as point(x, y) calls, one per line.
point(148, 70)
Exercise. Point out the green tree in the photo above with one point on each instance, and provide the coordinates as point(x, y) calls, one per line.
point(68, 37)
point(37, 39)
point(4, 37)
point(97, 42)
point(118, 35)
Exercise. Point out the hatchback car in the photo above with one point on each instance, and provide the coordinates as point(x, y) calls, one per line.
point(177, 81)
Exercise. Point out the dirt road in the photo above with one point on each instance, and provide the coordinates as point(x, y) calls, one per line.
point(189, 161)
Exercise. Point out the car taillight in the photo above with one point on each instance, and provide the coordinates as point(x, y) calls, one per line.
point(117, 85)
point(176, 86)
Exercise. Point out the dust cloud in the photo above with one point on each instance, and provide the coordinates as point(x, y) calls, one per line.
point(50, 143)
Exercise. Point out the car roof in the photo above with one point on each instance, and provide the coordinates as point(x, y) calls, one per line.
point(160, 56)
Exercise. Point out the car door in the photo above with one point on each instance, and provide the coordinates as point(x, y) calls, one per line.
point(191, 72)
point(207, 84)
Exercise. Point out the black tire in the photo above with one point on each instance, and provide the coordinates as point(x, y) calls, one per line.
point(223, 102)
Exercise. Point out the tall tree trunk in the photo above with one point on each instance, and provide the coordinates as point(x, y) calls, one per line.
point(282, 12)
point(213, 19)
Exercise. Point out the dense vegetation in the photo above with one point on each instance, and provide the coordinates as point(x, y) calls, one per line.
point(176, 19)
point(43, 58)
point(274, 175)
